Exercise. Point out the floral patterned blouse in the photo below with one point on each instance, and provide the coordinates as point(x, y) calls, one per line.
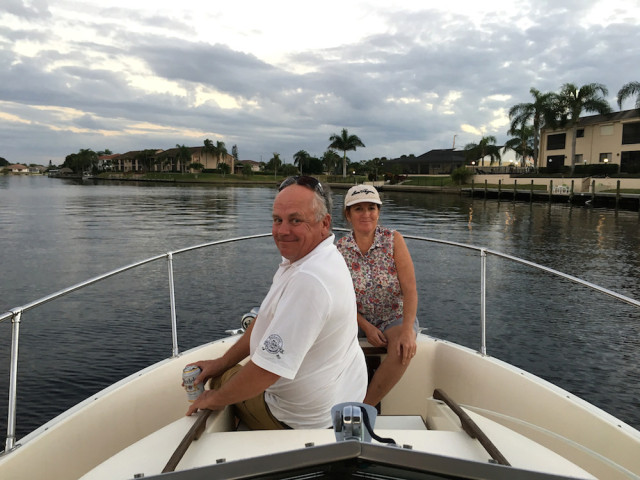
point(375, 278)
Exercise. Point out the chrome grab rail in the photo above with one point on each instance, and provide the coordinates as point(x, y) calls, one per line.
point(15, 314)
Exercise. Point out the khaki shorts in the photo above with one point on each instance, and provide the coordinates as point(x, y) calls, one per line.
point(254, 412)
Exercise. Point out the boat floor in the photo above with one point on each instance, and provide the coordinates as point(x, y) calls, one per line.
point(220, 444)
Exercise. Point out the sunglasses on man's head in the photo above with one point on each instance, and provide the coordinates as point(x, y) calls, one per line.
point(304, 180)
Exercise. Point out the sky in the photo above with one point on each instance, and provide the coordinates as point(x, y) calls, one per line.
point(406, 76)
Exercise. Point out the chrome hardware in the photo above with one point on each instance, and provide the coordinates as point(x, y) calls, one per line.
point(350, 421)
point(249, 317)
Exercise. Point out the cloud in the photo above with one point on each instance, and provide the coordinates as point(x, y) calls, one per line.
point(404, 79)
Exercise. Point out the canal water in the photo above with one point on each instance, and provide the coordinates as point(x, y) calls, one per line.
point(55, 233)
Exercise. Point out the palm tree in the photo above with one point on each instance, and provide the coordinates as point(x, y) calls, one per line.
point(221, 151)
point(275, 162)
point(218, 151)
point(330, 159)
point(540, 112)
point(485, 148)
point(572, 101)
point(373, 166)
point(146, 158)
point(522, 142)
point(183, 156)
point(628, 90)
point(209, 148)
point(301, 158)
point(345, 142)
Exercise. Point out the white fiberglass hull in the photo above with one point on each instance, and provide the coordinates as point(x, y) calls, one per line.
point(133, 426)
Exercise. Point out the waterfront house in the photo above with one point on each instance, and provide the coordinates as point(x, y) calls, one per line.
point(433, 162)
point(156, 160)
point(18, 168)
point(37, 169)
point(255, 166)
point(613, 138)
point(105, 162)
point(132, 161)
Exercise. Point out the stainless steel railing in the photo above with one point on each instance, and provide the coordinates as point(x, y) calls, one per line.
point(15, 314)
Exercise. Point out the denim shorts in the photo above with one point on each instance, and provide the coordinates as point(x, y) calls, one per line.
point(416, 327)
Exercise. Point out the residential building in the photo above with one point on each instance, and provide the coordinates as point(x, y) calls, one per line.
point(156, 160)
point(612, 138)
point(433, 162)
point(37, 169)
point(255, 166)
point(133, 161)
point(18, 168)
point(105, 162)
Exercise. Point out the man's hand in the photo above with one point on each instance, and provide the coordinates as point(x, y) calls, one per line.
point(210, 369)
point(207, 400)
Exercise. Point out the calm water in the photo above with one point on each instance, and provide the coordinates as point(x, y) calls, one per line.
point(56, 233)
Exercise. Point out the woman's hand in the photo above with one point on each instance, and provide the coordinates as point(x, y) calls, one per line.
point(375, 336)
point(406, 346)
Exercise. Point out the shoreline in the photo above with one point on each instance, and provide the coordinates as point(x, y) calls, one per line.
point(609, 200)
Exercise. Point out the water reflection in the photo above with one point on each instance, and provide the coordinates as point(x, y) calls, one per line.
point(56, 234)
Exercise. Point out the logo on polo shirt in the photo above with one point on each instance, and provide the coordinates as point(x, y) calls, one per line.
point(273, 345)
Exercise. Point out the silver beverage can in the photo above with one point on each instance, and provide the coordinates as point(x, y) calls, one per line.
point(189, 375)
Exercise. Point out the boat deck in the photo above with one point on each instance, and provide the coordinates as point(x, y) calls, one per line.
point(220, 444)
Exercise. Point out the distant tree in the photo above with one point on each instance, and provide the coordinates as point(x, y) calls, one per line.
point(106, 151)
point(461, 175)
point(274, 163)
point(373, 166)
point(628, 90)
point(485, 148)
point(301, 158)
point(315, 166)
point(183, 156)
point(146, 158)
point(4, 162)
point(234, 152)
point(330, 160)
point(82, 161)
point(247, 171)
point(209, 148)
point(288, 170)
point(522, 142)
point(538, 113)
point(218, 151)
point(221, 150)
point(345, 142)
point(572, 101)
point(224, 168)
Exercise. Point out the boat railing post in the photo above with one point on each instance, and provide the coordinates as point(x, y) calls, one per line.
point(483, 301)
point(13, 382)
point(172, 299)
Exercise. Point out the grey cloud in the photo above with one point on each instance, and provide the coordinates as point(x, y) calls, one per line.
point(428, 56)
point(32, 10)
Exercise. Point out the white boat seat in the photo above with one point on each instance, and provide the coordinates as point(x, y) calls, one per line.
point(400, 422)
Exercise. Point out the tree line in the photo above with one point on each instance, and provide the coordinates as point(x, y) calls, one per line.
point(87, 159)
point(560, 109)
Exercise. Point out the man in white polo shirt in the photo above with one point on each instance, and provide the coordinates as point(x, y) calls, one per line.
point(303, 346)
